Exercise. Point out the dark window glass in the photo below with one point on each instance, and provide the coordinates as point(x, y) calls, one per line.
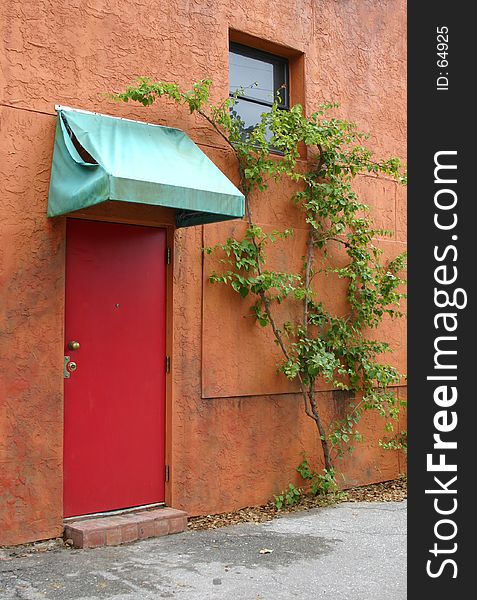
point(258, 76)
point(250, 114)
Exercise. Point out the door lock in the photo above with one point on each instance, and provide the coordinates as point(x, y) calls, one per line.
point(69, 367)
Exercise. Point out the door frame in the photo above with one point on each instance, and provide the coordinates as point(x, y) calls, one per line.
point(132, 214)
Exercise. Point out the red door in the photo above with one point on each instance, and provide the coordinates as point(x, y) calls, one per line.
point(115, 398)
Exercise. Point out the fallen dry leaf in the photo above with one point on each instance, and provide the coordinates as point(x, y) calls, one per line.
point(388, 491)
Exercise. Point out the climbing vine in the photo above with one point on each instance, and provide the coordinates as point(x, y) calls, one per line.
point(337, 348)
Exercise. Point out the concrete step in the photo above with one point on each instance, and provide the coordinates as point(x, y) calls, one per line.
point(119, 529)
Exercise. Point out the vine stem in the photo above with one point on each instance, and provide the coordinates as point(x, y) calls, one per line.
point(309, 399)
point(243, 180)
point(210, 120)
point(308, 266)
point(319, 423)
point(308, 394)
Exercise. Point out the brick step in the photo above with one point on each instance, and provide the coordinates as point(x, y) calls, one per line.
point(120, 529)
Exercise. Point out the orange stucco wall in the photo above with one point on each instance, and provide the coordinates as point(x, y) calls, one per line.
point(236, 428)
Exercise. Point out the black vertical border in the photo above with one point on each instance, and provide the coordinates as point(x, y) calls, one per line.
point(440, 120)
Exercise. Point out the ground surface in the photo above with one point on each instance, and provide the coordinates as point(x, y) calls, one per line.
point(348, 551)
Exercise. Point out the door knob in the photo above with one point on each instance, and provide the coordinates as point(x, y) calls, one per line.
point(73, 345)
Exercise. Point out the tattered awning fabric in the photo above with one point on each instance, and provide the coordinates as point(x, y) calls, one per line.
point(98, 158)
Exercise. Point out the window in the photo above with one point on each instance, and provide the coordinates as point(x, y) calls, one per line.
point(259, 76)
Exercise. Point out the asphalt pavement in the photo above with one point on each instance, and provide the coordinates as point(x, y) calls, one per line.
point(352, 551)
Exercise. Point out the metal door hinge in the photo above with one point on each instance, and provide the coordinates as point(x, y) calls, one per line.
point(168, 364)
point(166, 473)
point(168, 256)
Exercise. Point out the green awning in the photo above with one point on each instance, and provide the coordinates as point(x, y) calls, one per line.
point(98, 158)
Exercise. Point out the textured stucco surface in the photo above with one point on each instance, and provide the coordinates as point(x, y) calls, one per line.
point(31, 308)
point(237, 432)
